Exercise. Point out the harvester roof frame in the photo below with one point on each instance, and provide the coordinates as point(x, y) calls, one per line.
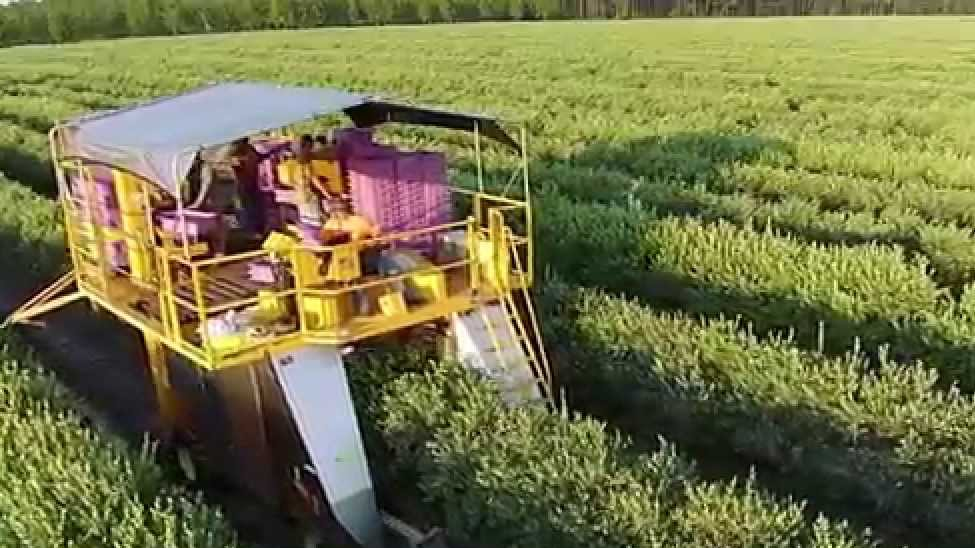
point(159, 140)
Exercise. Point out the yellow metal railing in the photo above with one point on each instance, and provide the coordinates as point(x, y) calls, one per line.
point(179, 285)
point(532, 332)
point(320, 303)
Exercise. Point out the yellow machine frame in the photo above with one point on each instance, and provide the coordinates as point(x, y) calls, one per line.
point(497, 263)
point(183, 299)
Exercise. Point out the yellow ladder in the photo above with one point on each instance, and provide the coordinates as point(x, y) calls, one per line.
point(526, 335)
point(530, 334)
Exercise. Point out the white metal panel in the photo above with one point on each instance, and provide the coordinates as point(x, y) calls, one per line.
point(316, 387)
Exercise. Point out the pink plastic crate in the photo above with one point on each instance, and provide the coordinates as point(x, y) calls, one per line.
point(351, 143)
point(117, 255)
point(411, 182)
point(354, 141)
point(261, 272)
point(373, 186)
point(407, 191)
point(272, 150)
point(198, 223)
point(200, 226)
point(106, 206)
point(311, 234)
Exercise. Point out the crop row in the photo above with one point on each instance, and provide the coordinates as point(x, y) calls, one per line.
point(948, 248)
point(883, 435)
point(63, 485)
point(30, 230)
point(575, 96)
point(766, 168)
point(528, 477)
point(831, 298)
point(835, 192)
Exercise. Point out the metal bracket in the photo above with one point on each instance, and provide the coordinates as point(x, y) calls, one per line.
point(435, 538)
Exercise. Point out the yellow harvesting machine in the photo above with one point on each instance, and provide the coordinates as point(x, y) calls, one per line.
point(249, 297)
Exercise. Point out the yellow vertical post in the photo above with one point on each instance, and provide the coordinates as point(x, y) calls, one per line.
point(128, 190)
point(201, 309)
point(172, 312)
point(71, 230)
point(159, 374)
point(161, 294)
point(64, 196)
point(477, 152)
point(474, 252)
point(299, 281)
point(182, 226)
point(99, 250)
point(529, 216)
point(500, 259)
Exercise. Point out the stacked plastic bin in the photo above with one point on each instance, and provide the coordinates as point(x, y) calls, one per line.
point(358, 143)
point(272, 151)
point(199, 226)
point(399, 191)
point(106, 211)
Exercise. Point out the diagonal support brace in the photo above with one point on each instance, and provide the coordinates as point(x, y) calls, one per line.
point(48, 299)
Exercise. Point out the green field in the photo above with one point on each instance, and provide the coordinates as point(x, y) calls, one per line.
point(757, 240)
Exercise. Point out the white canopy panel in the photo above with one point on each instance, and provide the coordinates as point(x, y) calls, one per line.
point(159, 140)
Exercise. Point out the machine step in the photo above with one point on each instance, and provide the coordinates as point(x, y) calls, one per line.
point(488, 344)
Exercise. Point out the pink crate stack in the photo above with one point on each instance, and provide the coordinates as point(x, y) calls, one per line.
point(200, 226)
point(401, 191)
point(106, 205)
point(272, 151)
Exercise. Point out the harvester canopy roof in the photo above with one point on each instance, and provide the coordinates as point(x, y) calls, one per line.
point(160, 140)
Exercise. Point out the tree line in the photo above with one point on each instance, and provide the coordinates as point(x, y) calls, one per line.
point(44, 21)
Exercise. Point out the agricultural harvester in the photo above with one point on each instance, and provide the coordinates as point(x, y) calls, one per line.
point(247, 329)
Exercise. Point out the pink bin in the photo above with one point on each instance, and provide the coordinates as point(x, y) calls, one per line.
point(200, 226)
point(401, 192)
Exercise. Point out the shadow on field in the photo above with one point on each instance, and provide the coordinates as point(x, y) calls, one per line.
point(686, 158)
point(28, 169)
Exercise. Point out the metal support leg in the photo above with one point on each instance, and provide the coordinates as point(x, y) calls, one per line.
point(166, 400)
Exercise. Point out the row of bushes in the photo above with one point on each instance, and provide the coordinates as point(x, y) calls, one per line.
point(528, 477)
point(61, 484)
point(948, 247)
point(883, 435)
point(830, 298)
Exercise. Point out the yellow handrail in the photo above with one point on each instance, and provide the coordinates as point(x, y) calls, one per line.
point(386, 280)
point(201, 309)
point(405, 235)
point(489, 197)
point(533, 319)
